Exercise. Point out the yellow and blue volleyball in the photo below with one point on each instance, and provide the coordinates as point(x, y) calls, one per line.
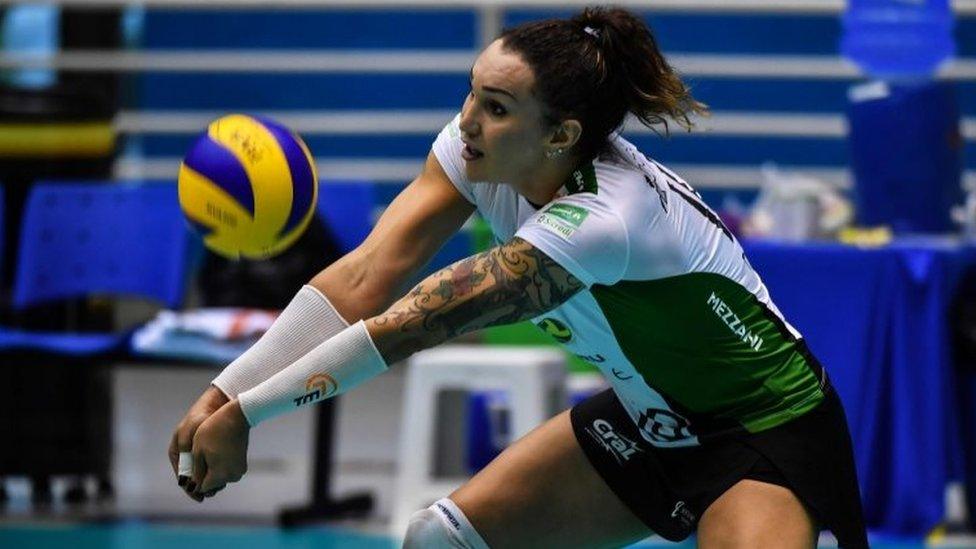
point(249, 186)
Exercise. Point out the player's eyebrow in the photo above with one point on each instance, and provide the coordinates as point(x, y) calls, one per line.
point(492, 88)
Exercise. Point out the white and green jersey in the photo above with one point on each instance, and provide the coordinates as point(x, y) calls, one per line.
point(673, 314)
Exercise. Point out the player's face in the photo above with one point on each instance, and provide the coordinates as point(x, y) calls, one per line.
point(501, 121)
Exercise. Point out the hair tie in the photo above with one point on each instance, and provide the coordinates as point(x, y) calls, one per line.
point(595, 33)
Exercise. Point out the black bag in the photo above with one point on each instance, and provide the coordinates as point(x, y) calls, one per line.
point(962, 321)
point(269, 283)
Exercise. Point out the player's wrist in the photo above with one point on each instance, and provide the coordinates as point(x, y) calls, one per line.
point(214, 398)
point(232, 413)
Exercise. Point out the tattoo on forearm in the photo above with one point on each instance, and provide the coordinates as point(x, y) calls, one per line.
point(506, 284)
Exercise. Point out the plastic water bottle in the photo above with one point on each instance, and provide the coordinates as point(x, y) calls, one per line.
point(965, 215)
point(898, 39)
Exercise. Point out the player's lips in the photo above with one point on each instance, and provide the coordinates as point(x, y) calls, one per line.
point(470, 153)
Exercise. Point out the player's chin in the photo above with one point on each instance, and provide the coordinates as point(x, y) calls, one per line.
point(475, 170)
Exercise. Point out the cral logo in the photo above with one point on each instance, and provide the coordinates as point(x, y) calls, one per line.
point(619, 446)
point(318, 387)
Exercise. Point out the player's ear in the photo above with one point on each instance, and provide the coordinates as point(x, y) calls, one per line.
point(565, 135)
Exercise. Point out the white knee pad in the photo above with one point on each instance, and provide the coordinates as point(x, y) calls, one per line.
point(442, 526)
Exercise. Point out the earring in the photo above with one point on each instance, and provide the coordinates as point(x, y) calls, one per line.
point(554, 153)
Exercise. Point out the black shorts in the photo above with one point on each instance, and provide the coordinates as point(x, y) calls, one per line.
point(670, 488)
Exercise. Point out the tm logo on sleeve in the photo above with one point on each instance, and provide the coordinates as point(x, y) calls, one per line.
point(317, 387)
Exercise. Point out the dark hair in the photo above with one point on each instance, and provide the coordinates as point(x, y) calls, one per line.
point(598, 66)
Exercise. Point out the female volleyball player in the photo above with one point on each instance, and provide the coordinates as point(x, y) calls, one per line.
point(719, 419)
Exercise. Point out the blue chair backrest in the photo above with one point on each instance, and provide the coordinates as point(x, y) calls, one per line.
point(346, 207)
point(81, 238)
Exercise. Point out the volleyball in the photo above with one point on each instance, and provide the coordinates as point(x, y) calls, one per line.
point(249, 186)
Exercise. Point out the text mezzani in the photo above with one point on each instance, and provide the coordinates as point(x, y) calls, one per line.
point(734, 323)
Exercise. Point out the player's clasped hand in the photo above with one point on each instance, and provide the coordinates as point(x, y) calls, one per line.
point(219, 451)
point(180, 446)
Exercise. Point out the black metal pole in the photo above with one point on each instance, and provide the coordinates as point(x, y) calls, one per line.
point(322, 507)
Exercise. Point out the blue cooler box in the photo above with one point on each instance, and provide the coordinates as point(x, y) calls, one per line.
point(906, 155)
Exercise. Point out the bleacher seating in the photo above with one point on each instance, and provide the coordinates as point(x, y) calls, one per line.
point(773, 78)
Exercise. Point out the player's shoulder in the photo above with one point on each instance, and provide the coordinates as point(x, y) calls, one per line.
point(629, 182)
point(447, 150)
point(453, 127)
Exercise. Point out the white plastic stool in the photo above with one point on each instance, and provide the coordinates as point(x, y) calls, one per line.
point(535, 378)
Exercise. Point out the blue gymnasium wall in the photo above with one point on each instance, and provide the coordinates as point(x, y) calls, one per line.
point(681, 33)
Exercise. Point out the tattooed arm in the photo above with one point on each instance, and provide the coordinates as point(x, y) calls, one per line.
point(504, 285)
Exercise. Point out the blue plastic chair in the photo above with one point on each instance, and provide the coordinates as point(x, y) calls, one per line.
point(346, 208)
point(87, 238)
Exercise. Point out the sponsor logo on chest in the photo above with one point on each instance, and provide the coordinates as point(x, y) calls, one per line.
point(562, 219)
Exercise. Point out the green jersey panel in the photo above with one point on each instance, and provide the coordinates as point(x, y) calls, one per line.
point(712, 348)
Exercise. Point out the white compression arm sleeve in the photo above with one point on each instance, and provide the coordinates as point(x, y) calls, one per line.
point(307, 321)
point(334, 367)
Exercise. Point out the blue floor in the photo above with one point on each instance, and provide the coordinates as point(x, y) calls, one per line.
point(154, 536)
point(140, 535)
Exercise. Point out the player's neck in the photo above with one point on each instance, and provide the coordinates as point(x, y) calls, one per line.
point(541, 186)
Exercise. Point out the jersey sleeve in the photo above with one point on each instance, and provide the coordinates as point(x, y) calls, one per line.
point(447, 148)
point(583, 235)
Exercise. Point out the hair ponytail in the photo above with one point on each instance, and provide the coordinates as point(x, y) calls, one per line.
point(598, 66)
